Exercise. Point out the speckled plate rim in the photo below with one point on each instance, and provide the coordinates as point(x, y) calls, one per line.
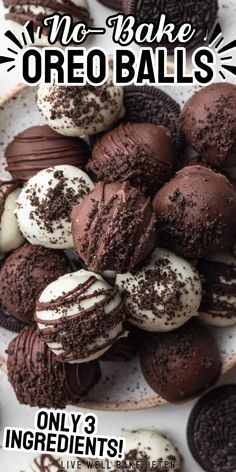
point(128, 405)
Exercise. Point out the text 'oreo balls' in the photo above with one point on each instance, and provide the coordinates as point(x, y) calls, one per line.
point(45, 203)
point(80, 316)
point(218, 275)
point(114, 228)
point(141, 153)
point(152, 105)
point(180, 364)
point(208, 121)
point(200, 14)
point(211, 430)
point(10, 235)
point(39, 147)
point(81, 111)
point(196, 212)
point(162, 295)
point(25, 273)
point(39, 380)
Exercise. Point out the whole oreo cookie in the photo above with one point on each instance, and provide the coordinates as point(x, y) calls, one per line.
point(114, 4)
point(200, 13)
point(211, 430)
point(152, 105)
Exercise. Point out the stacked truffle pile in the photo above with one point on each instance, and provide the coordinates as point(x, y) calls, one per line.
point(155, 245)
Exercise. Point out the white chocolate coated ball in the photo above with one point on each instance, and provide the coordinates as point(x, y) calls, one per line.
point(92, 313)
point(81, 110)
point(164, 294)
point(45, 203)
point(10, 235)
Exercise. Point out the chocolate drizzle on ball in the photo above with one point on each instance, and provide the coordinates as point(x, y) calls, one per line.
point(39, 380)
point(40, 147)
point(180, 364)
point(139, 153)
point(45, 462)
point(77, 335)
point(151, 105)
point(114, 227)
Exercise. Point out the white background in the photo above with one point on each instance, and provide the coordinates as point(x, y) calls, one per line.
point(171, 420)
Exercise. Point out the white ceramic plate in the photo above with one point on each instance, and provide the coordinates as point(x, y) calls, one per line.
point(122, 386)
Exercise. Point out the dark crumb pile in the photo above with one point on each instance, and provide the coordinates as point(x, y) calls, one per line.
point(84, 106)
point(56, 205)
point(159, 289)
point(40, 380)
point(211, 430)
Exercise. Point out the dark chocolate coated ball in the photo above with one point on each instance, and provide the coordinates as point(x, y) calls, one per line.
point(196, 212)
point(208, 121)
point(114, 227)
point(180, 364)
point(140, 153)
point(25, 274)
point(38, 379)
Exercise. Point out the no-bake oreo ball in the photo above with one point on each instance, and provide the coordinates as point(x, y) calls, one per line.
point(163, 295)
point(80, 316)
point(39, 380)
point(45, 203)
point(25, 273)
point(196, 212)
point(39, 147)
point(21, 11)
point(10, 235)
point(218, 275)
point(139, 153)
point(114, 228)
point(81, 111)
point(208, 121)
point(180, 364)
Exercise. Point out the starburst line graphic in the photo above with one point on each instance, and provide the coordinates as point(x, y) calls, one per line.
point(216, 41)
point(27, 37)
